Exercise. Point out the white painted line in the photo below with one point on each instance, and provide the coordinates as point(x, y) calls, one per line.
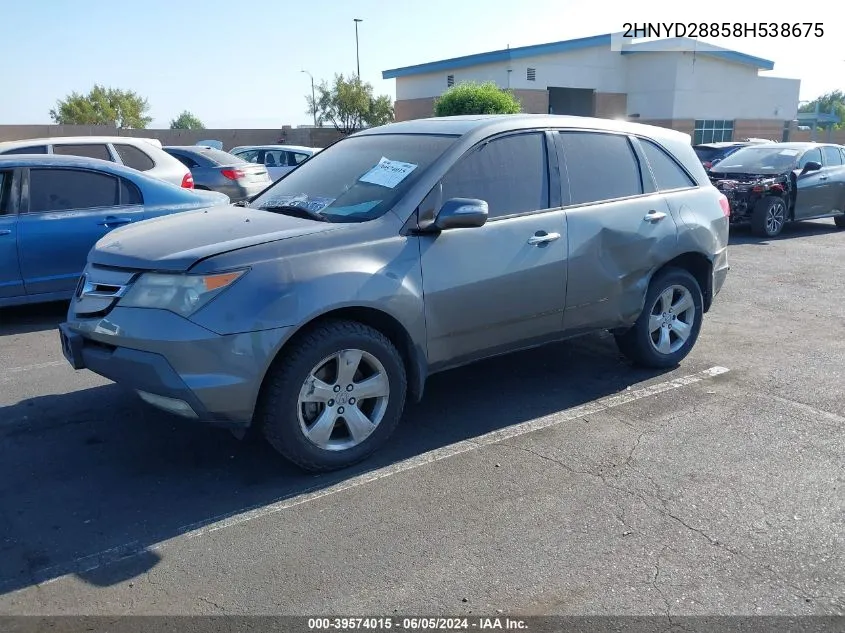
point(93, 561)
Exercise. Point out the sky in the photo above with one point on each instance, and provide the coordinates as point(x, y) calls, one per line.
point(239, 64)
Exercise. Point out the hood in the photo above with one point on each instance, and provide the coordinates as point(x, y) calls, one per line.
point(178, 241)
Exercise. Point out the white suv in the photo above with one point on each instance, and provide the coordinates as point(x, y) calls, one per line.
point(143, 154)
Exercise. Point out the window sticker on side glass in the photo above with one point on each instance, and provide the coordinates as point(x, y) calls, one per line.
point(388, 173)
point(301, 200)
point(789, 152)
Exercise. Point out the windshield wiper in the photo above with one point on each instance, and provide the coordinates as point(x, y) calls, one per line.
point(295, 211)
point(241, 203)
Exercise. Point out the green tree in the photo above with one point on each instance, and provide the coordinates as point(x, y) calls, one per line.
point(186, 121)
point(349, 104)
point(112, 107)
point(476, 98)
point(832, 102)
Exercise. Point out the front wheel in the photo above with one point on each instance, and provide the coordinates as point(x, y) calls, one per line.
point(334, 397)
point(768, 217)
point(669, 324)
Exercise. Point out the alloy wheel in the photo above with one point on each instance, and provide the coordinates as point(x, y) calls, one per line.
point(671, 319)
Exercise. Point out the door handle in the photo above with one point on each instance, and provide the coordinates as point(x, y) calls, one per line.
point(544, 238)
point(654, 216)
point(5, 232)
point(113, 220)
point(823, 177)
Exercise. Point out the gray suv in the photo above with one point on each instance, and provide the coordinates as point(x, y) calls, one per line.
point(315, 310)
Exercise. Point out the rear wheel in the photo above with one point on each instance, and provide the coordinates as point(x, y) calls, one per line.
point(769, 217)
point(335, 396)
point(840, 221)
point(668, 326)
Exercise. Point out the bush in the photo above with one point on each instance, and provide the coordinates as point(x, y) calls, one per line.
point(474, 98)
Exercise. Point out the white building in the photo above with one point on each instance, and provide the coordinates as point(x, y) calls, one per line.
point(711, 92)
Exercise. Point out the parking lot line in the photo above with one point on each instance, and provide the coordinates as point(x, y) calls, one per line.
point(213, 524)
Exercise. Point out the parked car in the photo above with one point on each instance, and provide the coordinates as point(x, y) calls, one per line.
point(398, 252)
point(54, 208)
point(711, 153)
point(216, 170)
point(143, 154)
point(770, 185)
point(278, 159)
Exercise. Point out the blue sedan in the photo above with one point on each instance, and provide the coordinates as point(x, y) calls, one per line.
point(53, 209)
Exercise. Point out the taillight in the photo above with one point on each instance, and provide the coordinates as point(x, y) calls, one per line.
point(188, 181)
point(726, 206)
point(232, 174)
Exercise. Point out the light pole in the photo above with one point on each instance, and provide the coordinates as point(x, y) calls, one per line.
point(313, 98)
point(357, 58)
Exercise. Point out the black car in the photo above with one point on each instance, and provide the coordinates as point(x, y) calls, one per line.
point(711, 153)
point(771, 184)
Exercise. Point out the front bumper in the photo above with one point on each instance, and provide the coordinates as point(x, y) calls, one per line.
point(170, 360)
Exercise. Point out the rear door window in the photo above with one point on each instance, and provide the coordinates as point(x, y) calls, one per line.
point(89, 150)
point(600, 167)
point(667, 173)
point(510, 174)
point(832, 157)
point(134, 157)
point(5, 192)
point(32, 149)
point(63, 189)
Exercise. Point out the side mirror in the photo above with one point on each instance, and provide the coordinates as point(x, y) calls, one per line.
point(811, 166)
point(461, 213)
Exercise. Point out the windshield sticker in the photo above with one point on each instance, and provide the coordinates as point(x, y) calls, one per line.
point(300, 200)
point(788, 152)
point(355, 208)
point(388, 173)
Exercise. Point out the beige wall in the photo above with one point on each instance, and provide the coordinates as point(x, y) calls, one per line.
point(310, 137)
point(750, 128)
point(822, 136)
point(610, 105)
point(533, 101)
point(407, 109)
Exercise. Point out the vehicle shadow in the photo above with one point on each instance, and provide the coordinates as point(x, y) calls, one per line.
point(742, 234)
point(96, 476)
point(32, 318)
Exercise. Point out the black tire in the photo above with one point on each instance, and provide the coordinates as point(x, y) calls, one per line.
point(279, 414)
point(764, 218)
point(840, 221)
point(637, 342)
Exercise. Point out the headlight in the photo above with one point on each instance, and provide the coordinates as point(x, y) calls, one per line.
point(182, 294)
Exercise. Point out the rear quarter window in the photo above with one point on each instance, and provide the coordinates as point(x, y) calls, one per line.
point(129, 193)
point(134, 157)
point(88, 150)
point(667, 173)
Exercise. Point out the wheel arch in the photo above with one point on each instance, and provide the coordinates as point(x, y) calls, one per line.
point(699, 266)
point(413, 357)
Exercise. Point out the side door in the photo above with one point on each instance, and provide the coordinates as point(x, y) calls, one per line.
point(500, 286)
point(11, 283)
point(63, 214)
point(835, 171)
point(620, 229)
point(813, 187)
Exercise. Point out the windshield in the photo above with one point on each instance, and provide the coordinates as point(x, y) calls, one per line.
point(357, 179)
point(706, 153)
point(759, 160)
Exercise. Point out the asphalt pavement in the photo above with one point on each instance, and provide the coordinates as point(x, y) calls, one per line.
point(553, 481)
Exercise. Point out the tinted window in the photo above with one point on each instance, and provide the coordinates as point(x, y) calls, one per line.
point(510, 174)
point(129, 193)
point(187, 161)
point(600, 167)
point(5, 190)
point(32, 149)
point(58, 189)
point(90, 150)
point(134, 157)
point(832, 156)
point(297, 158)
point(667, 173)
point(814, 154)
point(219, 157)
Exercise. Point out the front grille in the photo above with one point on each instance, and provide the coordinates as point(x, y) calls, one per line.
point(100, 289)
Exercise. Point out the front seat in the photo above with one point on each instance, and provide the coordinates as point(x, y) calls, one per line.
point(269, 161)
